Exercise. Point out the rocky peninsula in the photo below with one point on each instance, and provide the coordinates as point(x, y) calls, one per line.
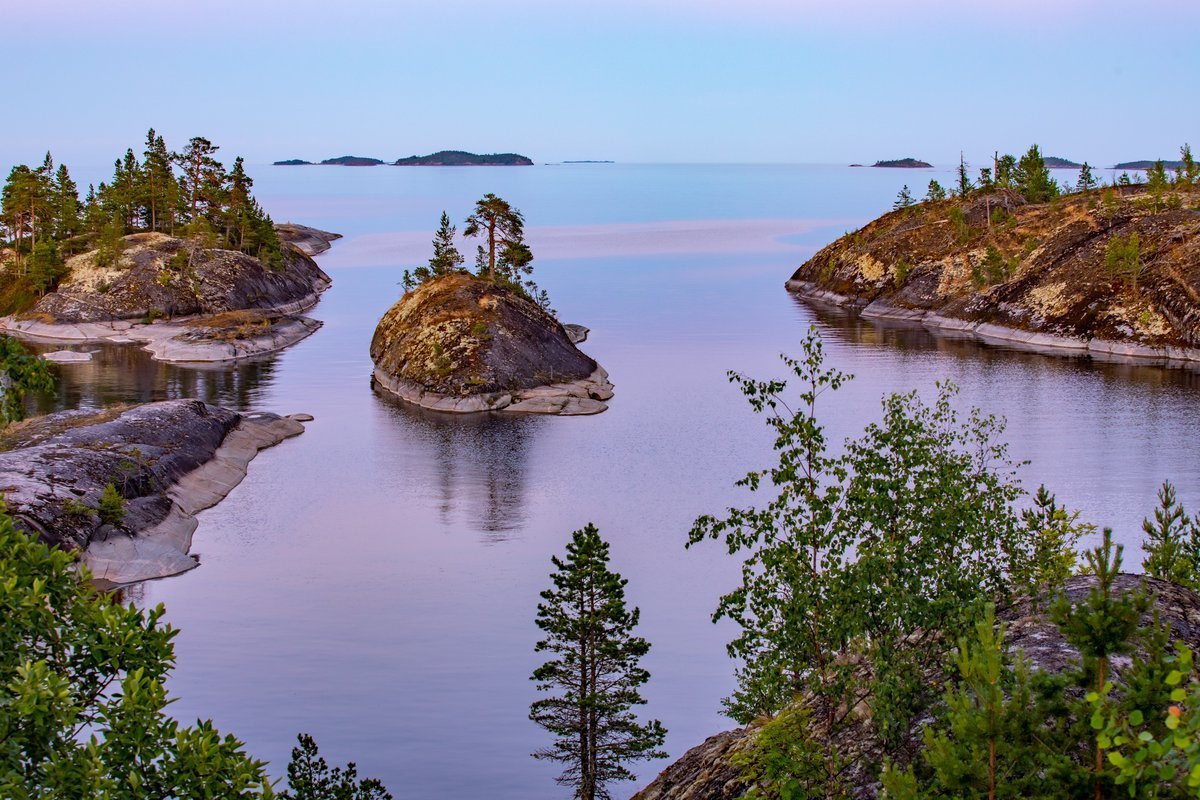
point(164, 463)
point(1112, 273)
point(709, 771)
point(183, 301)
point(464, 344)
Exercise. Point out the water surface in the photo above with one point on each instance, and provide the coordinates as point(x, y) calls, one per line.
point(374, 581)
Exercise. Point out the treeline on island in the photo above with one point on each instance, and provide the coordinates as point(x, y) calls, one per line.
point(187, 194)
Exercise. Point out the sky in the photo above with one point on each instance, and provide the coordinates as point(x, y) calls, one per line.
point(774, 81)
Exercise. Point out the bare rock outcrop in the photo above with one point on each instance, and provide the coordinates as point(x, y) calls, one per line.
point(167, 461)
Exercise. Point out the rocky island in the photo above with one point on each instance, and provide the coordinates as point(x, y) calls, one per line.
point(175, 253)
point(903, 163)
point(460, 158)
point(464, 344)
point(121, 486)
point(1112, 272)
point(183, 302)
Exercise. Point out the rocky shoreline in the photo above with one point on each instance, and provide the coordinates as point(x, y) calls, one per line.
point(245, 310)
point(1110, 274)
point(167, 460)
point(991, 333)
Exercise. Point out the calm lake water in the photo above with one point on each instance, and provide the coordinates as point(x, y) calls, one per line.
point(374, 581)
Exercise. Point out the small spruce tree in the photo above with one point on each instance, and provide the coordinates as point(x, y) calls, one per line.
point(1172, 542)
point(594, 672)
point(904, 199)
point(1086, 179)
point(935, 193)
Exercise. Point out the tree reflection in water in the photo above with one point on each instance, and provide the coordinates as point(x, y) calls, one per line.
point(481, 461)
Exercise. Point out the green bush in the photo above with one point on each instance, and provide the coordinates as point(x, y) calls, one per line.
point(112, 506)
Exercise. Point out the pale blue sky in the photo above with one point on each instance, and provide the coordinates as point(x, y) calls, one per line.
point(645, 80)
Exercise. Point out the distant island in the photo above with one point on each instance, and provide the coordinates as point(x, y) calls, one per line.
point(1054, 162)
point(904, 163)
point(460, 158)
point(1146, 164)
point(352, 161)
point(293, 162)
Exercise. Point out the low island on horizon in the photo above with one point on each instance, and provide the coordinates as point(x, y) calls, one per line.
point(442, 158)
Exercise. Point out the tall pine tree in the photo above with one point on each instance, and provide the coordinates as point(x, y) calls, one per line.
point(594, 672)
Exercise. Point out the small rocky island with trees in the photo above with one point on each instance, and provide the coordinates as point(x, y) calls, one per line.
point(174, 253)
point(1013, 256)
point(487, 341)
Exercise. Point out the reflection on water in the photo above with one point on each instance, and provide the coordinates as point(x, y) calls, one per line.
point(848, 326)
point(481, 461)
point(127, 374)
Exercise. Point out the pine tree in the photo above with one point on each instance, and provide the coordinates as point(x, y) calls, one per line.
point(499, 223)
point(1157, 183)
point(993, 736)
point(158, 178)
point(964, 178)
point(1172, 543)
point(67, 209)
point(1188, 173)
point(446, 258)
point(1101, 626)
point(594, 672)
point(1032, 177)
point(1006, 171)
point(203, 175)
point(935, 192)
point(1086, 180)
point(904, 199)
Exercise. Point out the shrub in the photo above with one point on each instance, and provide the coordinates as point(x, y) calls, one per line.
point(112, 506)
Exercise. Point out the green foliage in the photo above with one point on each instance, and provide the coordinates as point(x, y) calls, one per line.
point(785, 763)
point(46, 267)
point(1157, 183)
point(1100, 626)
point(1086, 180)
point(1032, 177)
point(904, 199)
point(964, 185)
point(870, 552)
point(595, 671)
point(1156, 751)
point(1052, 537)
point(1110, 203)
point(446, 258)
point(112, 506)
point(935, 192)
point(506, 259)
point(310, 778)
point(1123, 258)
point(901, 271)
point(958, 220)
point(992, 269)
point(82, 694)
point(111, 242)
point(1187, 175)
point(1172, 543)
point(995, 734)
point(20, 373)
